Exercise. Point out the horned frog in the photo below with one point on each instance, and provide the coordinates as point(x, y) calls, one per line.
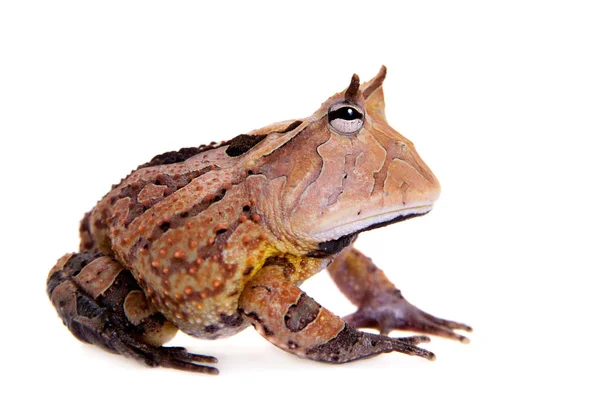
point(210, 240)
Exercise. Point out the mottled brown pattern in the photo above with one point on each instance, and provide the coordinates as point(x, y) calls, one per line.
point(211, 239)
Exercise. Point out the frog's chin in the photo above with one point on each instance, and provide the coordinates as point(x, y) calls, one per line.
point(371, 222)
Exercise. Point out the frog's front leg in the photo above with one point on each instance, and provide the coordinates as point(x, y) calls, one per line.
point(294, 322)
point(380, 304)
point(102, 304)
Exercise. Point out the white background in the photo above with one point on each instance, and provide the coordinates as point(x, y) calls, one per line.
point(501, 98)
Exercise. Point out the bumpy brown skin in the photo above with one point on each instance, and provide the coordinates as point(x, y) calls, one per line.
point(209, 240)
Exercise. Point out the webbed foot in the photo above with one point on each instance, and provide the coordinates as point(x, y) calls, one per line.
point(388, 312)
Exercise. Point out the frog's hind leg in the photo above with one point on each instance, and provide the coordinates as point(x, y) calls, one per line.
point(294, 322)
point(380, 304)
point(102, 304)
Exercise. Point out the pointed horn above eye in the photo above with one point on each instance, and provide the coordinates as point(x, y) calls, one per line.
point(352, 90)
point(375, 82)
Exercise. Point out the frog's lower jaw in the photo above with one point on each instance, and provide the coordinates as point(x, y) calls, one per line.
point(371, 222)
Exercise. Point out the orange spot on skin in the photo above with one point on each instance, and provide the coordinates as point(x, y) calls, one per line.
point(256, 218)
point(211, 241)
point(215, 257)
point(141, 229)
point(216, 283)
point(155, 263)
point(188, 290)
point(179, 315)
point(193, 244)
point(246, 240)
point(165, 270)
point(178, 296)
point(262, 236)
point(228, 245)
point(220, 227)
point(250, 261)
point(169, 241)
point(192, 270)
point(166, 282)
point(149, 236)
point(243, 219)
point(199, 260)
point(162, 252)
point(150, 291)
point(199, 306)
point(203, 295)
point(190, 225)
point(179, 253)
point(143, 250)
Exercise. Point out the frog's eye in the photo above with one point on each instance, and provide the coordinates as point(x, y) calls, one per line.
point(345, 118)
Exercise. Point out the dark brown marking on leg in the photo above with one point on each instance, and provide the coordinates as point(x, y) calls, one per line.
point(302, 313)
point(87, 307)
point(254, 316)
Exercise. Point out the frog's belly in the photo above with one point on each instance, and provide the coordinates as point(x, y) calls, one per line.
point(216, 319)
point(204, 303)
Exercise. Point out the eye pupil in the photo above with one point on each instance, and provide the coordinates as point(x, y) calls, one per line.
point(345, 113)
point(345, 119)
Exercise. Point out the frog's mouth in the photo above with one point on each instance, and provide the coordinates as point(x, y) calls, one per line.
point(367, 223)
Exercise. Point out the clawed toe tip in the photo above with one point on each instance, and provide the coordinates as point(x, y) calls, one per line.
point(464, 340)
point(422, 339)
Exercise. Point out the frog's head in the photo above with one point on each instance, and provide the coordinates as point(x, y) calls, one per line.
point(344, 170)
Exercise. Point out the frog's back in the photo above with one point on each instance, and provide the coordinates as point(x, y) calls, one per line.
point(184, 224)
